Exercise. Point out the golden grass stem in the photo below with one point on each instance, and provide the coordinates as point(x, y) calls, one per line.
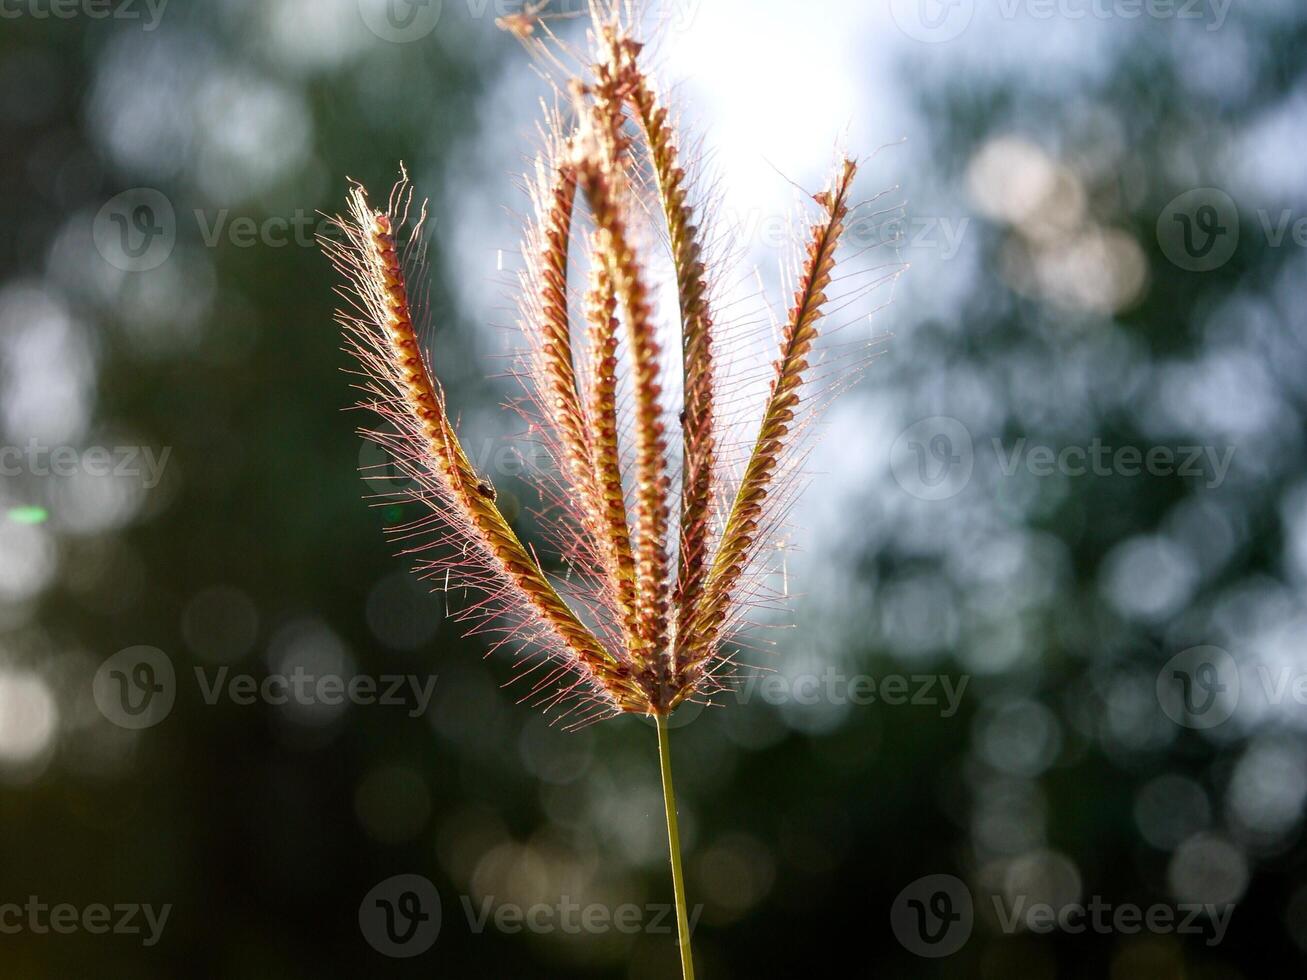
point(674, 847)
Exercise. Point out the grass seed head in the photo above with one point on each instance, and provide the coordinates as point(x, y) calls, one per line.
point(653, 583)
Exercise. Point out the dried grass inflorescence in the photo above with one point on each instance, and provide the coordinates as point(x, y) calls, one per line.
point(641, 619)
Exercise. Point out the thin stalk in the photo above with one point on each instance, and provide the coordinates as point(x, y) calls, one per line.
point(674, 845)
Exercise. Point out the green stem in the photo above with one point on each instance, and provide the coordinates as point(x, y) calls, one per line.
point(674, 845)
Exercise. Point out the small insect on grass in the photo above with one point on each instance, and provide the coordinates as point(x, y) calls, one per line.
point(669, 489)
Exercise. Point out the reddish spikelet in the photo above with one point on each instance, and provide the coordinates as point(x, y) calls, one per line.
point(740, 537)
point(385, 341)
point(584, 439)
point(646, 639)
point(698, 419)
point(601, 314)
point(602, 171)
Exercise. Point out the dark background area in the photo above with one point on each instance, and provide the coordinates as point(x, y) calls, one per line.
point(1067, 312)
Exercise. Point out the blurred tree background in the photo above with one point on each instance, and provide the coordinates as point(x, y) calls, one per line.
point(1103, 223)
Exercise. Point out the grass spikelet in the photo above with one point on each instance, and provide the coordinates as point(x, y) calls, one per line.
point(400, 388)
point(740, 538)
point(583, 437)
point(698, 420)
point(601, 315)
point(603, 181)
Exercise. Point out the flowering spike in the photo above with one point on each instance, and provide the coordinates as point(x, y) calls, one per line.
point(401, 388)
point(739, 539)
point(632, 634)
point(698, 416)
